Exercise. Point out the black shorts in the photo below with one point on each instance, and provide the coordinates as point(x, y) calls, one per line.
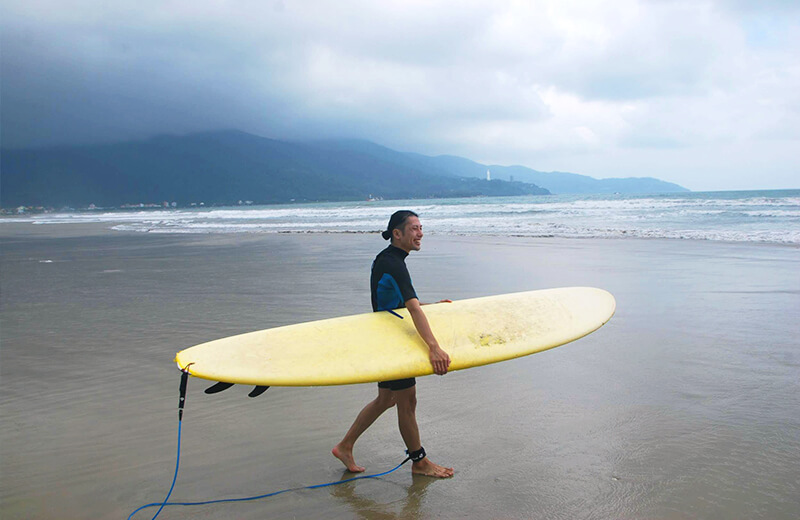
point(398, 384)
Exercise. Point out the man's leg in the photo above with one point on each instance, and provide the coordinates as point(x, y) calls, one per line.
point(344, 450)
point(407, 420)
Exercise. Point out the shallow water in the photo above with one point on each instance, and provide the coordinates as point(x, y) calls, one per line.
point(683, 406)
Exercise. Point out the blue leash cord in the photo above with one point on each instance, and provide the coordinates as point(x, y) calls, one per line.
point(166, 501)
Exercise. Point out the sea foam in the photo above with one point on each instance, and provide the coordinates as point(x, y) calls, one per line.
point(726, 216)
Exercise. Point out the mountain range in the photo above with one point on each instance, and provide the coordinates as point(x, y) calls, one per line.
point(225, 167)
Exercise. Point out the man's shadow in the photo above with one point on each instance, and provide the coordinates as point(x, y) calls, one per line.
point(369, 509)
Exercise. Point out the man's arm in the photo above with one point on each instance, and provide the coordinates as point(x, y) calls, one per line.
point(439, 358)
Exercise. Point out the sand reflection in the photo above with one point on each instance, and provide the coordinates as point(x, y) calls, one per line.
point(408, 507)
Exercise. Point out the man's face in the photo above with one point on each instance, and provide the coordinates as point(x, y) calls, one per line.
point(409, 238)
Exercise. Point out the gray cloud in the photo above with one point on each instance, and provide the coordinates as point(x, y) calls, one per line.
point(545, 84)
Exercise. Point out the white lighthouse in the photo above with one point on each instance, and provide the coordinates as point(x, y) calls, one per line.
point(488, 175)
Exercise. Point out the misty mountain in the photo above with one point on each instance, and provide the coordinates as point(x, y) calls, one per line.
point(228, 166)
point(223, 168)
point(555, 182)
point(562, 182)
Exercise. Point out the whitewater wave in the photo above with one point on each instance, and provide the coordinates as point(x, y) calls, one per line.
point(771, 219)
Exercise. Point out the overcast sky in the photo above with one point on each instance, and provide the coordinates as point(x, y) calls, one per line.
point(705, 94)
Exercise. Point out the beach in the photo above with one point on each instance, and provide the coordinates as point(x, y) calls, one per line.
point(685, 405)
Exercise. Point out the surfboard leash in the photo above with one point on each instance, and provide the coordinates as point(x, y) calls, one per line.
point(166, 502)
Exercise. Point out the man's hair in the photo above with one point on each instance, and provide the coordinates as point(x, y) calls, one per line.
point(398, 220)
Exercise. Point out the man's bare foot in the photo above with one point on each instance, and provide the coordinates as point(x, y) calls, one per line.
point(426, 467)
point(346, 456)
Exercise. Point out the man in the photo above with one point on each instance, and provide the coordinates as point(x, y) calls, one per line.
point(391, 288)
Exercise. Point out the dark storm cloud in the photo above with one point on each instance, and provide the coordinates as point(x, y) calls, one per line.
point(97, 73)
point(87, 80)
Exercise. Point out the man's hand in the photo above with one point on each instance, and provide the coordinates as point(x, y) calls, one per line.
point(440, 361)
point(439, 358)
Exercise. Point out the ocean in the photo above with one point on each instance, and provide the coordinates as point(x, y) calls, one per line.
point(731, 216)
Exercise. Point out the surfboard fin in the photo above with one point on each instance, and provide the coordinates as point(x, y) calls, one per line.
point(218, 387)
point(257, 391)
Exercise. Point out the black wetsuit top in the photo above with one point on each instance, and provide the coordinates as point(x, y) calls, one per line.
point(391, 288)
point(390, 282)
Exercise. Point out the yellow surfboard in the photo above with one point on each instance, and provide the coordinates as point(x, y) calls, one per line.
point(380, 346)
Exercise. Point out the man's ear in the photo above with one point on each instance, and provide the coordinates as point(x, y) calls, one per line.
point(397, 234)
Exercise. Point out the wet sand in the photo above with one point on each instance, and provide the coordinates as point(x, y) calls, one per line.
point(683, 406)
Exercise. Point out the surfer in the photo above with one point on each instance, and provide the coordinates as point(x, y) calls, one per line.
point(391, 288)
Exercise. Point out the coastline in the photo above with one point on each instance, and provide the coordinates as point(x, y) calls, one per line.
point(26, 230)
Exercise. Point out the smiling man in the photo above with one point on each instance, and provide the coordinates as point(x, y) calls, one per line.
point(391, 289)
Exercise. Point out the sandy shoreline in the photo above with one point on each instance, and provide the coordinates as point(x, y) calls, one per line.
point(28, 230)
point(683, 406)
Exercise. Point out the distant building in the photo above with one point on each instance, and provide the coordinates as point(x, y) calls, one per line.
point(488, 175)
